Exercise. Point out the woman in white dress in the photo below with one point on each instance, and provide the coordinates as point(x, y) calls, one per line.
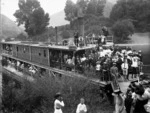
point(58, 104)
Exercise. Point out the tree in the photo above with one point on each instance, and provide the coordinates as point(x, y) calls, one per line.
point(32, 16)
point(100, 7)
point(136, 10)
point(70, 10)
point(89, 10)
point(65, 34)
point(95, 7)
point(91, 7)
point(21, 37)
point(122, 29)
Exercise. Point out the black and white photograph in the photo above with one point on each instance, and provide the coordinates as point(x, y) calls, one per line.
point(74, 56)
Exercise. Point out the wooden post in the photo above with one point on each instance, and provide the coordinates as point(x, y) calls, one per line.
point(56, 35)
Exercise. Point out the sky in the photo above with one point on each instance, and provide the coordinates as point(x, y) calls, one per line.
point(8, 7)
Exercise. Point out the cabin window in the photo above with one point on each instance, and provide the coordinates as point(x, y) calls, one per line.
point(39, 54)
point(44, 53)
point(17, 48)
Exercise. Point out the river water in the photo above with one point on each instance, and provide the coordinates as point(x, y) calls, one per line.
point(142, 41)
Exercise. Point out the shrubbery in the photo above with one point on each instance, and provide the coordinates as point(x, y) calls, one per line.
point(122, 29)
point(38, 96)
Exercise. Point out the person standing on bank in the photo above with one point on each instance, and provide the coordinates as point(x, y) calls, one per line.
point(58, 104)
point(114, 70)
point(81, 108)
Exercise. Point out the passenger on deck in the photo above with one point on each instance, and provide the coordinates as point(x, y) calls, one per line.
point(81, 41)
point(114, 70)
point(22, 66)
point(98, 70)
point(32, 69)
point(76, 40)
point(69, 63)
point(125, 67)
point(103, 39)
point(105, 71)
point(105, 31)
point(101, 52)
point(134, 66)
point(78, 64)
point(129, 51)
point(83, 59)
point(18, 63)
point(99, 40)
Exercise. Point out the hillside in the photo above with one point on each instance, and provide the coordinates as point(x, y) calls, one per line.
point(58, 19)
point(9, 28)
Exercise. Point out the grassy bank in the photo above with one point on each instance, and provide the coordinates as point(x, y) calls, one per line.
point(38, 97)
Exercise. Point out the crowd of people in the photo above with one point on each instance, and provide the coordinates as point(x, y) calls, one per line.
point(23, 67)
point(100, 38)
point(109, 61)
point(136, 99)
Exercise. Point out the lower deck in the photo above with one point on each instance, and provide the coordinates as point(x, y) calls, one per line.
point(50, 71)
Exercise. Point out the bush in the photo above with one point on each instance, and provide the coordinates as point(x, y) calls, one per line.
point(65, 34)
point(38, 96)
point(122, 29)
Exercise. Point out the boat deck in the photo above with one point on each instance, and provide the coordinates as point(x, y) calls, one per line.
point(63, 72)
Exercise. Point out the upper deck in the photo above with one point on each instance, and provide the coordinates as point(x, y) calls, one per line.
point(49, 45)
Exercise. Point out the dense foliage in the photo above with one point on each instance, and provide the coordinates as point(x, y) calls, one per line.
point(65, 34)
point(136, 10)
point(38, 96)
point(122, 29)
point(83, 8)
point(91, 11)
point(32, 16)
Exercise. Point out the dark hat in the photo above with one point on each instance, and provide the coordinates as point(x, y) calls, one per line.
point(57, 95)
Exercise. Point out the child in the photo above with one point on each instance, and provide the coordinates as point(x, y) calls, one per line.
point(81, 108)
